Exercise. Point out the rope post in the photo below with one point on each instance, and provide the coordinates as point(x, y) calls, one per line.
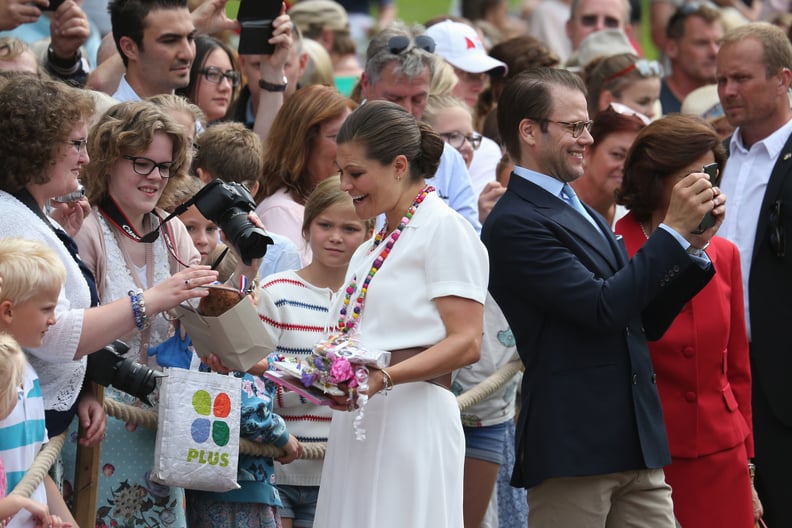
point(86, 474)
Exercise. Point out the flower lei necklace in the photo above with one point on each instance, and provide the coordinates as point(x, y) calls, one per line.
point(347, 323)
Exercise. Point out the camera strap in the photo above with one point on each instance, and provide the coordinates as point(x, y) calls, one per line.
point(110, 210)
point(116, 217)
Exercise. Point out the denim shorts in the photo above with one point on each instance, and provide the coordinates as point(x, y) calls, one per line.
point(486, 443)
point(299, 503)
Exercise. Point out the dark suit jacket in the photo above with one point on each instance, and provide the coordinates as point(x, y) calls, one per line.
point(581, 314)
point(770, 294)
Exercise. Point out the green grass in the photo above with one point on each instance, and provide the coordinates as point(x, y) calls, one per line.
point(421, 10)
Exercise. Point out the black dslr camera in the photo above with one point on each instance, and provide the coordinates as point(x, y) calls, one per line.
point(228, 205)
point(108, 366)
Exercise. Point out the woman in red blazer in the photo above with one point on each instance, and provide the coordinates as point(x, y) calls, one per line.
point(701, 362)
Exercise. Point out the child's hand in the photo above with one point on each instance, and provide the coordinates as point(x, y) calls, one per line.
point(293, 450)
point(214, 363)
point(93, 420)
point(39, 512)
point(57, 522)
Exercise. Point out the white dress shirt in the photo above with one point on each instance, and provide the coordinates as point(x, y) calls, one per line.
point(744, 183)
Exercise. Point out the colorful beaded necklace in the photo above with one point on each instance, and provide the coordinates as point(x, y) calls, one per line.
point(346, 324)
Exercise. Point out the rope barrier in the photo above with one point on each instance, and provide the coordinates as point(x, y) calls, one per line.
point(39, 468)
point(311, 450)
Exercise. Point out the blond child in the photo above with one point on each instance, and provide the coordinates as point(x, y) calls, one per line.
point(32, 277)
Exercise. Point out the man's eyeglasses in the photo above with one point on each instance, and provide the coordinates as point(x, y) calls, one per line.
point(78, 144)
point(777, 233)
point(145, 166)
point(215, 75)
point(397, 44)
point(623, 109)
point(575, 127)
point(607, 21)
point(457, 139)
point(644, 68)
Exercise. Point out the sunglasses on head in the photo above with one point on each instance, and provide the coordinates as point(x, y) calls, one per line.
point(690, 8)
point(623, 109)
point(398, 44)
point(644, 68)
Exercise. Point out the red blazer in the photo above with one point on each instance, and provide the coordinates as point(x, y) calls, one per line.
point(702, 365)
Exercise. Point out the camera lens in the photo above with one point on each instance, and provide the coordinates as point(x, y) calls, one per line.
point(109, 367)
point(249, 240)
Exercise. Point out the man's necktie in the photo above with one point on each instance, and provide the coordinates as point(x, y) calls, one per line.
point(569, 196)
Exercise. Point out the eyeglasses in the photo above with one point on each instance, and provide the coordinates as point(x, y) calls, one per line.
point(607, 21)
point(145, 166)
point(644, 68)
point(215, 75)
point(457, 139)
point(78, 144)
point(576, 127)
point(623, 109)
point(397, 44)
point(777, 233)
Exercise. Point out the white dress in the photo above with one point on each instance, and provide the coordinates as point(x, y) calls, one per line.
point(409, 469)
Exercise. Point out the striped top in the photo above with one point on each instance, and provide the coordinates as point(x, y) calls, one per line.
point(296, 314)
point(22, 434)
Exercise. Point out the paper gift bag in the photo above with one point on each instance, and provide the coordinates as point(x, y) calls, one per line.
point(197, 443)
point(237, 336)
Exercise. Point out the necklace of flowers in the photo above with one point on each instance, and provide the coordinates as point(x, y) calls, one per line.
point(347, 324)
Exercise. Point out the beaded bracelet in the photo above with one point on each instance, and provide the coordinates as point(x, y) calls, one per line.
point(139, 309)
point(387, 382)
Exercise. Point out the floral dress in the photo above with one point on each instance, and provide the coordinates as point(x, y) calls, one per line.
point(127, 497)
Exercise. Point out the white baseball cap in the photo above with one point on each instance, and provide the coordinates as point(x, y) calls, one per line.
point(460, 46)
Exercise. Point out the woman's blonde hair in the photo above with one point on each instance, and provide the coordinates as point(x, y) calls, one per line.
point(128, 129)
point(438, 103)
point(444, 79)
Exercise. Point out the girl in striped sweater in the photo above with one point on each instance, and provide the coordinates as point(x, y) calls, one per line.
point(294, 308)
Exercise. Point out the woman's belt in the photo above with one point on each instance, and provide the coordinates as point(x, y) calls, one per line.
point(397, 356)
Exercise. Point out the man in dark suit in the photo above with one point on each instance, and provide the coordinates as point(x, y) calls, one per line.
point(591, 442)
point(754, 75)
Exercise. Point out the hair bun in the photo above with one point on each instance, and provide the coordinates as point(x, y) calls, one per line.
point(432, 146)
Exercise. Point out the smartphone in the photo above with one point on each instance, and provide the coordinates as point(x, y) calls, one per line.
point(711, 170)
point(255, 20)
point(53, 5)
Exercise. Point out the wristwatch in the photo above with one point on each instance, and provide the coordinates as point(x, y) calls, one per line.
point(270, 87)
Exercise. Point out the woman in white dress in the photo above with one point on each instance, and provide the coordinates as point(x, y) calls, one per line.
point(417, 290)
